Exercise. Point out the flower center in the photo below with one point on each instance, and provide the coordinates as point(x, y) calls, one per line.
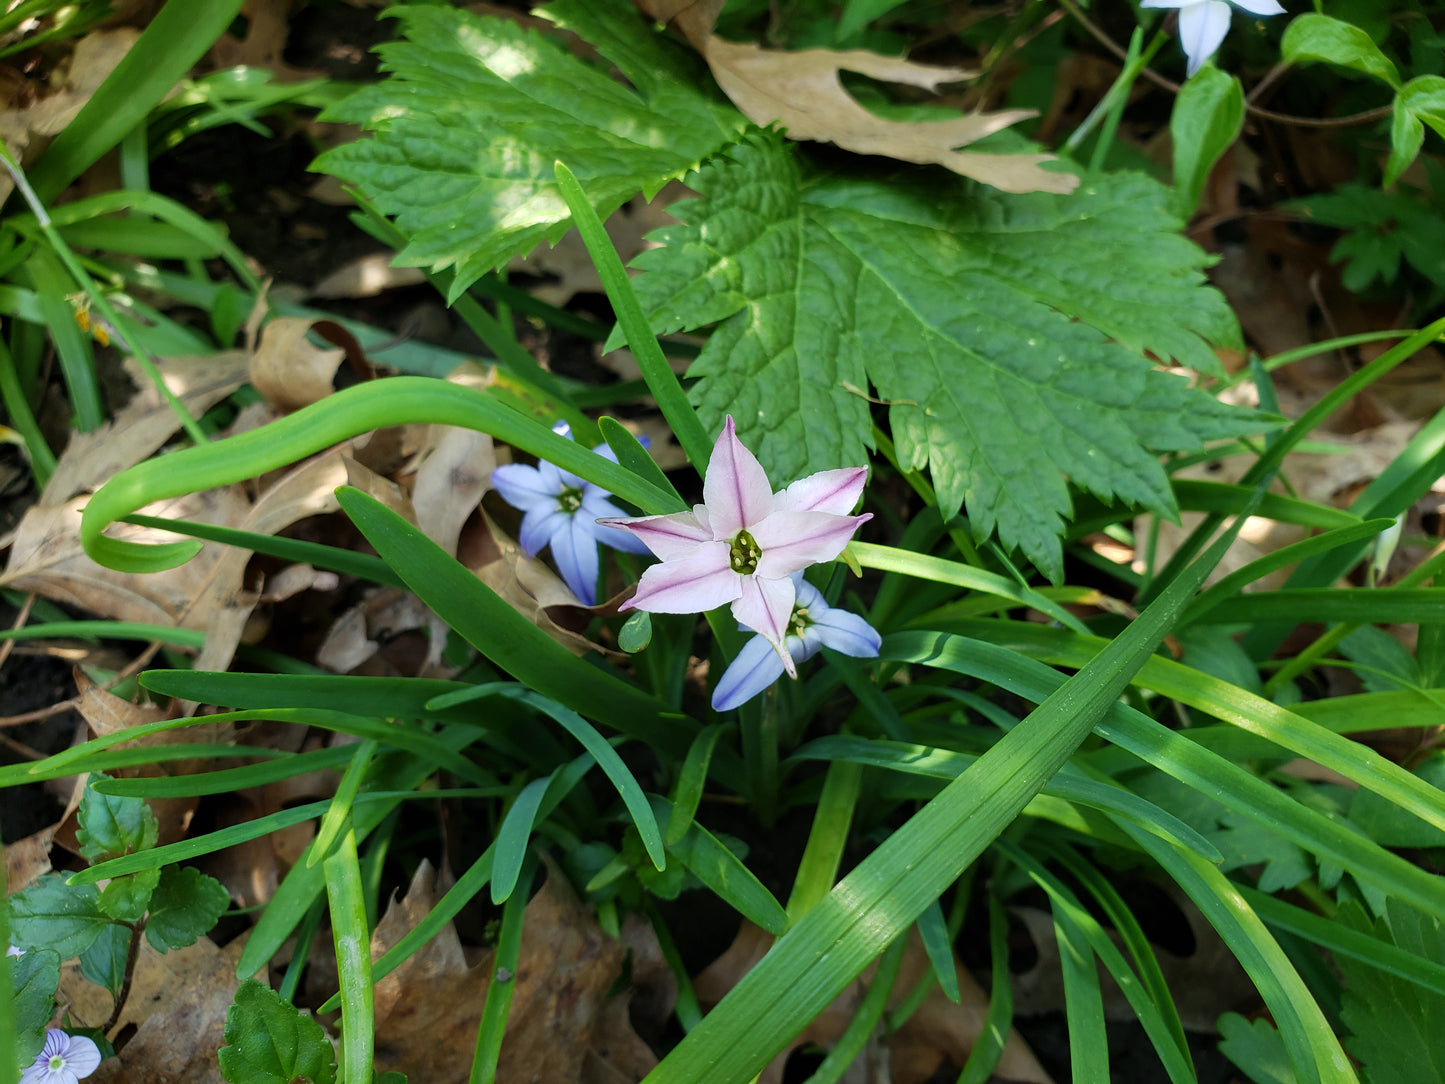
point(799, 621)
point(745, 554)
point(570, 499)
point(57, 1062)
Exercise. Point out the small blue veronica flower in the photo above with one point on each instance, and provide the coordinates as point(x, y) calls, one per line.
point(64, 1060)
point(813, 625)
point(561, 510)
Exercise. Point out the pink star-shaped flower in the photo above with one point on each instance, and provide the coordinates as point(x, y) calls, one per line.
point(744, 541)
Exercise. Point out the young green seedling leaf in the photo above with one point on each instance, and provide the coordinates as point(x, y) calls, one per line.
point(125, 899)
point(186, 905)
point(269, 1042)
point(111, 826)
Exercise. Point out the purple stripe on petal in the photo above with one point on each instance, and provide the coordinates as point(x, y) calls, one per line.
point(765, 607)
point(670, 537)
point(794, 540)
point(835, 491)
point(695, 583)
point(736, 490)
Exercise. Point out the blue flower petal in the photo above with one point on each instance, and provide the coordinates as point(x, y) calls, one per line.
point(756, 667)
point(540, 526)
point(523, 487)
point(845, 632)
point(574, 548)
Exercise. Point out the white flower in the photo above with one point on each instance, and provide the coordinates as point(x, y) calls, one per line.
point(63, 1060)
point(744, 542)
point(1203, 23)
point(13, 951)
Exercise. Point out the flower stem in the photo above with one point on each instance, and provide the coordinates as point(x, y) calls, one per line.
point(760, 755)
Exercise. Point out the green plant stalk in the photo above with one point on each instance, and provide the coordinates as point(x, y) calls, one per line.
point(22, 420)
point(1114, 101)
point(983, 1058)
point(1083, 1004)
point(666, 388)
point(338, 814)
point(1111, 106)
point(686, 1010)
point(759, 733)
point(301, 948)
point(818, 868)
point(352, 938)
point(97, 298)
point(503, 981)
point(865, 1018)
point(377, 404)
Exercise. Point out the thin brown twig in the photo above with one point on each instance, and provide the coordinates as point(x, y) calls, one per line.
point(1255, 111)
point(131, 669)
point(9, 645)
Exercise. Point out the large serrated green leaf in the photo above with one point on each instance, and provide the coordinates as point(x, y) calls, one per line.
point(1005, 332)
point(1397, 1029)
point(477, 109)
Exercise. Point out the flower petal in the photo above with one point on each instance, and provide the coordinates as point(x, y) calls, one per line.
point(1202, 28)
point(595, 506)
point(845, 632)
point(736, 490)
point(522, 486)
point(694, 583)
point(794, 540)
point(574, 548)
point(1167, 3)
point(756, 667)
point(765, 607)
point(670, 537)
point(82, 1056)
point(539, 526)
point(835, 491)
point(1261, 7)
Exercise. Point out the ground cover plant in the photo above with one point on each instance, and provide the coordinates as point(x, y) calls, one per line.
point(954, 601)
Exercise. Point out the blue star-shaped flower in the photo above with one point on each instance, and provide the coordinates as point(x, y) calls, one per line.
point(561, 510)
point(814, 625)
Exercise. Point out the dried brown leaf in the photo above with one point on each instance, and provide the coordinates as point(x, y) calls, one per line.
point(27, 130)
point(288, 370)
point(454, 468)
point(428, 1009)
point(802, 92)
point(177, 1006)
point(46, 557)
